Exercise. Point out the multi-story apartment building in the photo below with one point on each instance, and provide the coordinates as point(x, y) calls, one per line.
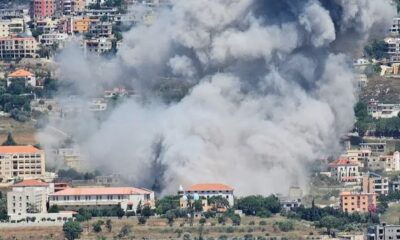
point(375, 183)
point(11, 27)
point(385, 162)
point(360, 155)
point(94, 2)
point(25, 162)
point(345, 170)
point(102, 197)
point(97, 46)
point(28, 77)
point(28, 196)
point(70, 157)
point(81, 25)
point(18, 47)
point(99, 29)
point(53, 39)
point(98, 105)
point(11, 13)
point(383, 232)
point(382, 110)
point(205, 191)
point(43, 8)
point(357, 202)
point(47, 25)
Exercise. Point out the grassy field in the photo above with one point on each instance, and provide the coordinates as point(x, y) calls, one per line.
point(156, 228)
point(23, 133)
point(392, 214)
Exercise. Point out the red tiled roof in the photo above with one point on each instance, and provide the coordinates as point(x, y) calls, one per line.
point(100, 191)
point(210, 187)
point(31, 183)
point(20, 73)
point(343, 162)
point(18, 149)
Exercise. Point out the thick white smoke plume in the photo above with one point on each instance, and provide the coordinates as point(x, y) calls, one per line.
point(268, 89)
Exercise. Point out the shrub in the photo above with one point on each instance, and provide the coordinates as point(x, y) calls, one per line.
point(202, 221)
point(142, 220)
point(252, 223)
point(263, 223)
point(230, 230)
point(285, 226)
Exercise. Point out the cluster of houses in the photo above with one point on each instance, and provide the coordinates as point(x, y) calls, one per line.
point(52, 23)
point(364, 172)
point(32, 192)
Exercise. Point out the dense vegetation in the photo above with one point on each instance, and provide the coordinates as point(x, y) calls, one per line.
point(376, 49)
point(388, 127)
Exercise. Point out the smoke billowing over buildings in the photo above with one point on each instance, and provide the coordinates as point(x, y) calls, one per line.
point(245, 92)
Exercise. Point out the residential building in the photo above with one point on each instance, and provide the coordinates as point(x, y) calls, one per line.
point(345, 170)
point(11, 13)
point(93, 2)
point(205, 191)
point(70, 157)
point(377, 148)
point(78, 5)
point(97, 105)
point(375, 183)
point(43, 8)
point(81, 25)
point(25, 162)
point(395, 27)
point(11, 27)
point(357, 202)
point(99, 13)
point(382, 110)
point(13, 48)
point(359, 155)
point(99, 29)
point(47, 25)
point(28, 196)
point(128, 198)
point(97, 46)
point(386, 162)
point(57, 40)
point(21, 74)
point(384, 232)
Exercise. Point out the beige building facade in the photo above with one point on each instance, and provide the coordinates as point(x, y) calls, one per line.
point(25, 162)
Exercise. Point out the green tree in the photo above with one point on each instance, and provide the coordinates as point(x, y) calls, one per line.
point(167, 203)
point(329, 222)
point(109, 225)
point(72, 230)
point(147, 212)
point(285, 226)
point(198, 205)
point(9, 141)
point(54, 209)
point(170, 216)
point(96, 227)
point(376, 49)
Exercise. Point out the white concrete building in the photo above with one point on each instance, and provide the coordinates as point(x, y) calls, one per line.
point(345, 170)
point(28, 77)
point(97, 46)
point(29, 196)
point(98, 105)
point(382, 110)
point(102, 197)
point(51, 39)
point(209, 190)
point(11, 27)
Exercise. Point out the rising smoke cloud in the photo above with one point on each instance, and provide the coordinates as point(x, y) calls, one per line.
point(271, 90)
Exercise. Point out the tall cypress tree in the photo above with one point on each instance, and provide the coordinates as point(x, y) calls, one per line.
point(9, 141)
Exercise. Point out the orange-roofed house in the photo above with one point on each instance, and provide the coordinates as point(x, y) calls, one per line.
point(345, 170)
point(23, 75)
point(102, 197)
point(24, 162)
point(204, 192)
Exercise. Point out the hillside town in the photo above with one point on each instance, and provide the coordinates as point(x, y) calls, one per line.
point(53, 191)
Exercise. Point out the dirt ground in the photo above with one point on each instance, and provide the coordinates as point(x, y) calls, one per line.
point(23, 133)
point(158, 229)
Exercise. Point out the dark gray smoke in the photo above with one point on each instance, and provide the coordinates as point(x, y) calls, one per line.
point(260, 88)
